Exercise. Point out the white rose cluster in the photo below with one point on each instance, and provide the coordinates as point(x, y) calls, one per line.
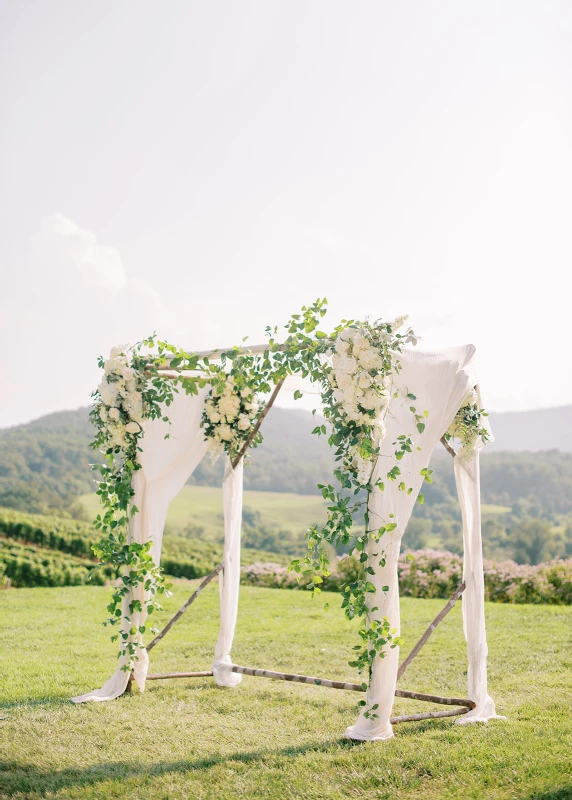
point(121, 406)
point(357, 383)
point(228, 417)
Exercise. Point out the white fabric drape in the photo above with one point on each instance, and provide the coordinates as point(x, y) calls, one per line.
point(440, 382)
point(229, 578)
point(468, 487)
point(166, 466)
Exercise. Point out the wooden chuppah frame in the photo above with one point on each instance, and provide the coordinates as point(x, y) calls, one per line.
point(463, 706)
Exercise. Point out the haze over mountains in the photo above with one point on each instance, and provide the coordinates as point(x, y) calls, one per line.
point(526, 479)
point(46, 462)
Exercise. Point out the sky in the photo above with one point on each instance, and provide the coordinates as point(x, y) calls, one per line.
point(205, 169)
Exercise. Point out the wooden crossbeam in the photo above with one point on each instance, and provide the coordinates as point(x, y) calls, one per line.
point(353, 687)
point(259, 422)
point(454, 712)
point(161, 676)
point(184, 607)
point(440, 616)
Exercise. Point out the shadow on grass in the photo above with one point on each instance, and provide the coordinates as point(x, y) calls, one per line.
point(564, 793)
point(15, 777)
point(39, 702)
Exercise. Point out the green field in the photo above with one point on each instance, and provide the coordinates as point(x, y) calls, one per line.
point(188, 739)
point(202, 506)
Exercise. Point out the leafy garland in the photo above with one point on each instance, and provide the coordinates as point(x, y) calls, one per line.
point(356, 383)
point(468, 426)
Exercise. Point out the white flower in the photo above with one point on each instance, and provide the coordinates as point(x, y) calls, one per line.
point(351, 412)
point(342, 346)
point(118, 350)
point(228, 405)
point(349, 365)
point(108, 393)
point(365, 380)
point(398, 322)
point(213, 416)
point(332, 378)
point(114, 414)
point(350, 396)
point(132, 427)
point(359, 343)
point(372, 400)
point(113, 366)
point(370, 359)
point(344, 380)
point(118, 435)
point(102, 413)
point(246, 391)
point(338, 395)
point(348, 334)
point(243, 423)
point(133, 405)
point(225, 432)
point(127, 373)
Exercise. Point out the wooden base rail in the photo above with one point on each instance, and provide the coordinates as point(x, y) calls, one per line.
point(465, 705)
point(161, 676)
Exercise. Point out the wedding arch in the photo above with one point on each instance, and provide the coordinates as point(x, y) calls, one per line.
point(387, 404)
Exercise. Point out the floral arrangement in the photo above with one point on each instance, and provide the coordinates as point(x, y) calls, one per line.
point(230, 414)
point(358, 386)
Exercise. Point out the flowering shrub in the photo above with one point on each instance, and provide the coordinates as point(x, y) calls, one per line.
point(437, 573)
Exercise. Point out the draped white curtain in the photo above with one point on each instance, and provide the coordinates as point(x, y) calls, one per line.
point(166, 466)
point(440, 382)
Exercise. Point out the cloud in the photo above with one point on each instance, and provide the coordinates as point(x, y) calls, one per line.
point(64, 249)
point(100, 266)
point(76, 299)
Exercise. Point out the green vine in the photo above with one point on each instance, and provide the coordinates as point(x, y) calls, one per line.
point(468, 426)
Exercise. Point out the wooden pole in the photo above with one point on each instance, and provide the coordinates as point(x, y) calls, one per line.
point(448, 447)
point(286, 676)
point(440, 616)
point(183, 608)
point(259, 421)
point(435, 698)
point(454, 712)
point(161, 676)
point(352, 687)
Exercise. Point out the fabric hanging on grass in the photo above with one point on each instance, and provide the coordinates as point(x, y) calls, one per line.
point(166, 465)
point(440, 382)
point(229, 578)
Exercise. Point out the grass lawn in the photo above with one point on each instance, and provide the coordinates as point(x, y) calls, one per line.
point(265, 739)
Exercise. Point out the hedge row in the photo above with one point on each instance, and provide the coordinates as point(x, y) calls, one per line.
point(434, 573)
point(65, 535)
point(28, 566)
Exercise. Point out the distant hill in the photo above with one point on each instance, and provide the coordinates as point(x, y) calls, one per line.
point(543, 429)
point(45, 463)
